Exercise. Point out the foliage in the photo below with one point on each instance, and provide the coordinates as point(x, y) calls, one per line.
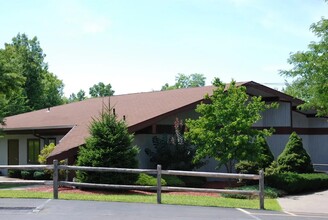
point(78, 97)
point(293, 183)
point(45, 152)
point(224, 129)
point(101, 90)
point(186, 81)
point(173, 152)
point(14, 173)
point(41, 175)
point(25, 82)
point(27, 174)
point(173, 180)
point(147, 180)
point(42, 159)
point(247, 167)
point(294, 158)
point(273, 168)
point(110, 145)
point(263, 161)
point(269, 192)
point(310, 71)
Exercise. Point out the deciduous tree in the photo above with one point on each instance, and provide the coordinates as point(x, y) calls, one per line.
point(224, 130)
point(101, 90)
point(310, 72)
point(186, 81)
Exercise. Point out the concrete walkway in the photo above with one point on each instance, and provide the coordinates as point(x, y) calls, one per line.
point(314, 203)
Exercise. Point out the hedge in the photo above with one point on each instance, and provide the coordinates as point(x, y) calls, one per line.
point(293, 183)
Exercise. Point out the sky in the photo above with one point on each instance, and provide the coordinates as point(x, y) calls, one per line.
point(139, 45)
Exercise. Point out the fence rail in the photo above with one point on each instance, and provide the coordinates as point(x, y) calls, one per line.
point(158, 188)
point(324, 165)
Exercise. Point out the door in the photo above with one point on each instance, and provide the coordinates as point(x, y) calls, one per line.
point(13, 152)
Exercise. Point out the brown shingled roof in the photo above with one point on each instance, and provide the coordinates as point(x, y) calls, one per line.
point(140, 110)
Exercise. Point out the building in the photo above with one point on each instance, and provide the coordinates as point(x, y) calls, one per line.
point(148, 114)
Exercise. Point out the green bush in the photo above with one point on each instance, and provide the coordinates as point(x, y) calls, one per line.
point(173, 180)
point(173, 152)
point(247, 167)
point(147, 180)
point(27, 174)
point(264, 159)
point(41, 175)
point(14, 173)
point(269, 192)
point(110, 145)
point(294, 183)
point(294, 158)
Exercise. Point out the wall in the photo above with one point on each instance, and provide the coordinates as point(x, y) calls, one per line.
point(22, 147)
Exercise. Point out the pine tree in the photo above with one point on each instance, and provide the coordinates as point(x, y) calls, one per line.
point(110, 145)
point(294, 158)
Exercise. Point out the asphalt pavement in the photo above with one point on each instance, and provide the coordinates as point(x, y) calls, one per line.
point(37, 209)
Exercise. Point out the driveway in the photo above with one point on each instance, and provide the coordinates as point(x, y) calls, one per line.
point(314, 203)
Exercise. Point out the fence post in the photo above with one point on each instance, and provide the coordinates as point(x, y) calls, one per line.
point(261, 189)
point(55, 179)
point(159, 184)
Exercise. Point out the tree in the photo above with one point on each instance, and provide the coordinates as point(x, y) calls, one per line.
point(184, 81)
point(173, 152)
point(110, 145)
point(22, 68)
point(264, 160)
point(310, 72)
point(78, 97)
point(10, 81)
point(294, 158)
point(224, 128)
point(101, 90)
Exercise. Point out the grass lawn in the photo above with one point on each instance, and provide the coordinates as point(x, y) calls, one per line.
point(270, 204)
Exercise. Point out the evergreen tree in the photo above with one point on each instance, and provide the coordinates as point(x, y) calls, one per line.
point(294, 158)
point(110, 145)
point(264, 160)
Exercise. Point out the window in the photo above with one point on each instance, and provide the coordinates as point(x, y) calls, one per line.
point(33, 150)
point(48, 141)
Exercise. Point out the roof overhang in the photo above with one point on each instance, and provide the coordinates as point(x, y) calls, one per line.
point(46, 130)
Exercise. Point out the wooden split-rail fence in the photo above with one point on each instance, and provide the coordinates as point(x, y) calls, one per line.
point(158, 172)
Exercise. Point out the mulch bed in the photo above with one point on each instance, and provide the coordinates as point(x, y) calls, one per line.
point(214, 185)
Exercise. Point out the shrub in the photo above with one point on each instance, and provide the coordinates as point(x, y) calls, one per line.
point(45, 152)
point(173, 152)
point(42, 159)
point(263, 160)
point(294, 183)
point(27, 174)
point(269, 192)
point(173, 180)
point(294, 158)
point(14, 173)
point(110, 145)
point(147, 180)
point(247, 167)
point(41, 175)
